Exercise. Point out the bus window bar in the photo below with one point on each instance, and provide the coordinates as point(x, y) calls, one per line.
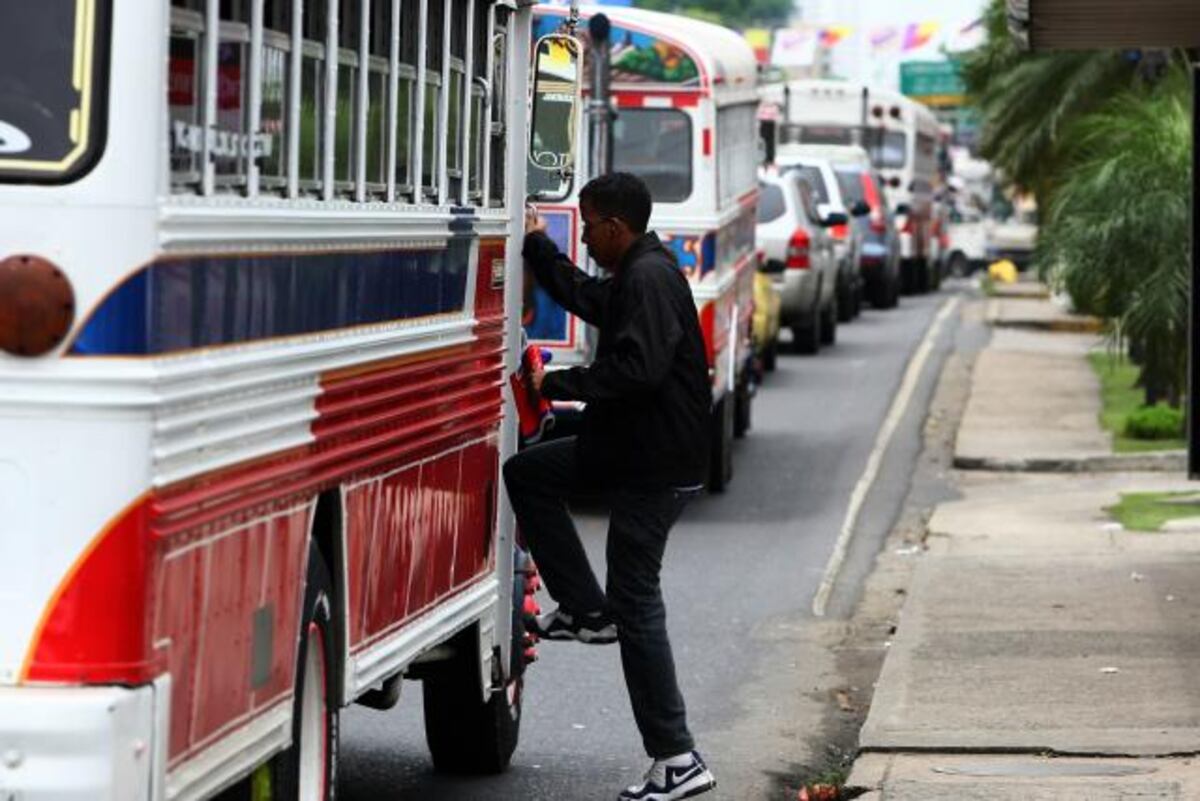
point(329, 126)
point(364, 73)
point(464, 116)
point(485, 145)
point(440, 160)
point(393, 95)
point(293, 111)
point(209, 61)
point(254, 124)
point(417, 143)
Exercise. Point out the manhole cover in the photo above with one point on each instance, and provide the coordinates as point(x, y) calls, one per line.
point(1044, 768)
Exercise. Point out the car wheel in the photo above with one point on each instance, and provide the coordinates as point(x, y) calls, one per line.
point(845, 301)
point(829, 321)
point(770, 355)
point(960, 267)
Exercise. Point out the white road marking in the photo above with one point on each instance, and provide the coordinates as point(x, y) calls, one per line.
point(857, 498)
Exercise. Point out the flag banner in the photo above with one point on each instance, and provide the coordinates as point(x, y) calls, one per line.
point(760, 40)
point(884, 37)
point(832, 35)
point(967, 36)
point(920, 34)
point(794, 47)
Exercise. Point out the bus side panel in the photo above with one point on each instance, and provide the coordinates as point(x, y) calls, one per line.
point(222, 600)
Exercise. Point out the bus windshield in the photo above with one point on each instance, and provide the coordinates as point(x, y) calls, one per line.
point(51, 89)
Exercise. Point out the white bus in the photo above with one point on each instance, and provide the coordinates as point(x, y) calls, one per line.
point(686, 97)
point(901, 136)
point(258, 290)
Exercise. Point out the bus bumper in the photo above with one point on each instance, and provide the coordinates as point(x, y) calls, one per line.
point(77, 743)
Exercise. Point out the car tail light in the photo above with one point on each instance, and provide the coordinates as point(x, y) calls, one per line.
point(907, 226)
point(797, 251)
point(37, 305)
point(839, 232)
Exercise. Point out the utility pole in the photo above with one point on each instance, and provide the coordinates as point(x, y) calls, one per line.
point(1193, 387)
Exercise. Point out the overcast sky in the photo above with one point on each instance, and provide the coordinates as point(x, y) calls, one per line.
point(889, 11)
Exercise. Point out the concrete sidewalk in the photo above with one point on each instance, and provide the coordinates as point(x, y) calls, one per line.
point(1043, 652)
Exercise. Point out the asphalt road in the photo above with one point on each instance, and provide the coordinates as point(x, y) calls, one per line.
point(739, 566)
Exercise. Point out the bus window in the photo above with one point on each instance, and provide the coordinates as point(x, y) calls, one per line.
point(737, 146)
point(818, 134)
point(51, 118)
point(887, 148)
point(454, 119)
point(656, 145)
point(345, 150)
point(432, 153)
point(276, 86)
point(405, 95)
point(312, 95)
point(479, 123)
point(379, 49)
point(185, 93)
point(230, 157)
point(498, 175)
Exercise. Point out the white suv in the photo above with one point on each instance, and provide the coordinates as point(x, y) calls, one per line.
point(799, 256)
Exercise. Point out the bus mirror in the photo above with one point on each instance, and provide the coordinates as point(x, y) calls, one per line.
point(554, 118)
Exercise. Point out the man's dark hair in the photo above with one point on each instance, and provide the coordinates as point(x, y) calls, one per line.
point(621, 195)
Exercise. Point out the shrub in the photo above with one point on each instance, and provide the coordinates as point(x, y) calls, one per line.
point(1154, 422)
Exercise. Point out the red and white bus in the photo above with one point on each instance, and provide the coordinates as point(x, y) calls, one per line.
point(686, 100)
point(256, 258)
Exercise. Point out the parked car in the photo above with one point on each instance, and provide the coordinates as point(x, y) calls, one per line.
point(879, 254)
point(799, 256)
point(765, 325)
point(816, 164)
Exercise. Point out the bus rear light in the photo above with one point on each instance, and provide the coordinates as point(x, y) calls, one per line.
point(798, 251)
point(878, 223)
point(37, 305)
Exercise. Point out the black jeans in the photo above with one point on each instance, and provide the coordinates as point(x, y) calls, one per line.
point(540, 480)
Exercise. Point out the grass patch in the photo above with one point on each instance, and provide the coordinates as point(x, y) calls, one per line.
point(1120, 397)
point(1147, 511)
point(988, 285)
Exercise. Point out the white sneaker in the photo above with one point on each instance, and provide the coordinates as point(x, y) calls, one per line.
point(669, 779)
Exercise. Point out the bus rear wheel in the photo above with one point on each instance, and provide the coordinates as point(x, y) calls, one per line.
point(466, 734)
point(308, 770)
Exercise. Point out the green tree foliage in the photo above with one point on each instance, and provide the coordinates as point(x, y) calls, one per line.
point(1117, 229)
point(1026, 100)
point(732, 13)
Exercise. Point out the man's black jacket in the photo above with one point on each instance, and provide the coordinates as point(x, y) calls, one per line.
point(646, 423)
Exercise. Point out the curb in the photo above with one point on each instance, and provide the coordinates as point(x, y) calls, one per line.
point(1083, 325)
point(1162, 462)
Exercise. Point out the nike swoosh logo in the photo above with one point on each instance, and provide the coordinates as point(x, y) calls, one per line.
point(688, 773)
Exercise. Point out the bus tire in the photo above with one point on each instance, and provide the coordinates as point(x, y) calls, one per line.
point(721, 454)
point(465, 734)
point(742, 409)
point(309, 768)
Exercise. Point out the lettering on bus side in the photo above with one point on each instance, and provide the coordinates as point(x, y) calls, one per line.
point(189, 137)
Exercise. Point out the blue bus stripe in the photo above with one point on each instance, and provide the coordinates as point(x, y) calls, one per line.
point(206, 301)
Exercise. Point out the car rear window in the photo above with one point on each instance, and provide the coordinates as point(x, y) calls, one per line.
point(770, 203)
point(851, 185)
point(815, 180)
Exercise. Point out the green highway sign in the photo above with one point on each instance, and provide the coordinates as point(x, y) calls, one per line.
point(936, 81)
